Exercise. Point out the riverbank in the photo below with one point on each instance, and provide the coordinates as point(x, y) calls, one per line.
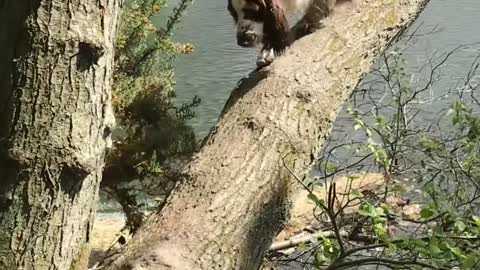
point(303, 215)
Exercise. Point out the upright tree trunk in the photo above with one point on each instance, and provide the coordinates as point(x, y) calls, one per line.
point(56, 62)
point(232, 200)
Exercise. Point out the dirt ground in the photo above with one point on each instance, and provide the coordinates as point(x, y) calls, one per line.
point(105, 232)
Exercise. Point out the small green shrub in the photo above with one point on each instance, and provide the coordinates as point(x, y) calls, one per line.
point(151, 132)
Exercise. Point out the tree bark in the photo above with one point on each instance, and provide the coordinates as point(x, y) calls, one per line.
point(56, 62)
point(233, 197)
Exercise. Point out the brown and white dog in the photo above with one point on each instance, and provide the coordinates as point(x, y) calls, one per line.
point(267, 22)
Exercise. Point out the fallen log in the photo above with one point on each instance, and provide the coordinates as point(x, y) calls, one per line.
point(233, 197)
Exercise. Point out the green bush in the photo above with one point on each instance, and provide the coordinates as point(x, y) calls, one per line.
point(151, 132)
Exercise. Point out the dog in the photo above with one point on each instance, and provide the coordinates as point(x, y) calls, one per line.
point(267, 23)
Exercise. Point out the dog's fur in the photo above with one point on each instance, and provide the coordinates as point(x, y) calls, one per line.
point(267, 22)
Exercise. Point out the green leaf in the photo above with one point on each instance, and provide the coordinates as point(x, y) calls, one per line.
point(458, 252)
point(353, 177)
point(316, 200)
point(434, 249)
point(469, 262)
point(363, 213)
point(380, 229)
point(476, 219)
point(356, 194)
point(359, 122)
point(320, 259)
point(368, 132)
point(392, 247)
point(426, 213)
point(330, 168)
point(460, 226)
point(381, 210)
point(367, 210)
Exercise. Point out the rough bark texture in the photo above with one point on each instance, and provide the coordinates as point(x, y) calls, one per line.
point(233, 198)
point(56, 62)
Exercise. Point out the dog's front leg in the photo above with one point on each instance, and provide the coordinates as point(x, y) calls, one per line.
point(270, 50)
point(265, 57)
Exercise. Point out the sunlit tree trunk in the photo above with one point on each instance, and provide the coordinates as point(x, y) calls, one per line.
point(232, 200)
point(56, 62)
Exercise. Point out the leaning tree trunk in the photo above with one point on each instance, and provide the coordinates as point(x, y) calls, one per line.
point(232, 200)
point(56, 62)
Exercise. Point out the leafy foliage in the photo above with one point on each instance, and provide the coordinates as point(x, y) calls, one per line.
point(440, 158)
point(151, 130)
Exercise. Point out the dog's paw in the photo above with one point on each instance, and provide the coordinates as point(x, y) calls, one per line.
point(263, 62)
point(265, 58)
